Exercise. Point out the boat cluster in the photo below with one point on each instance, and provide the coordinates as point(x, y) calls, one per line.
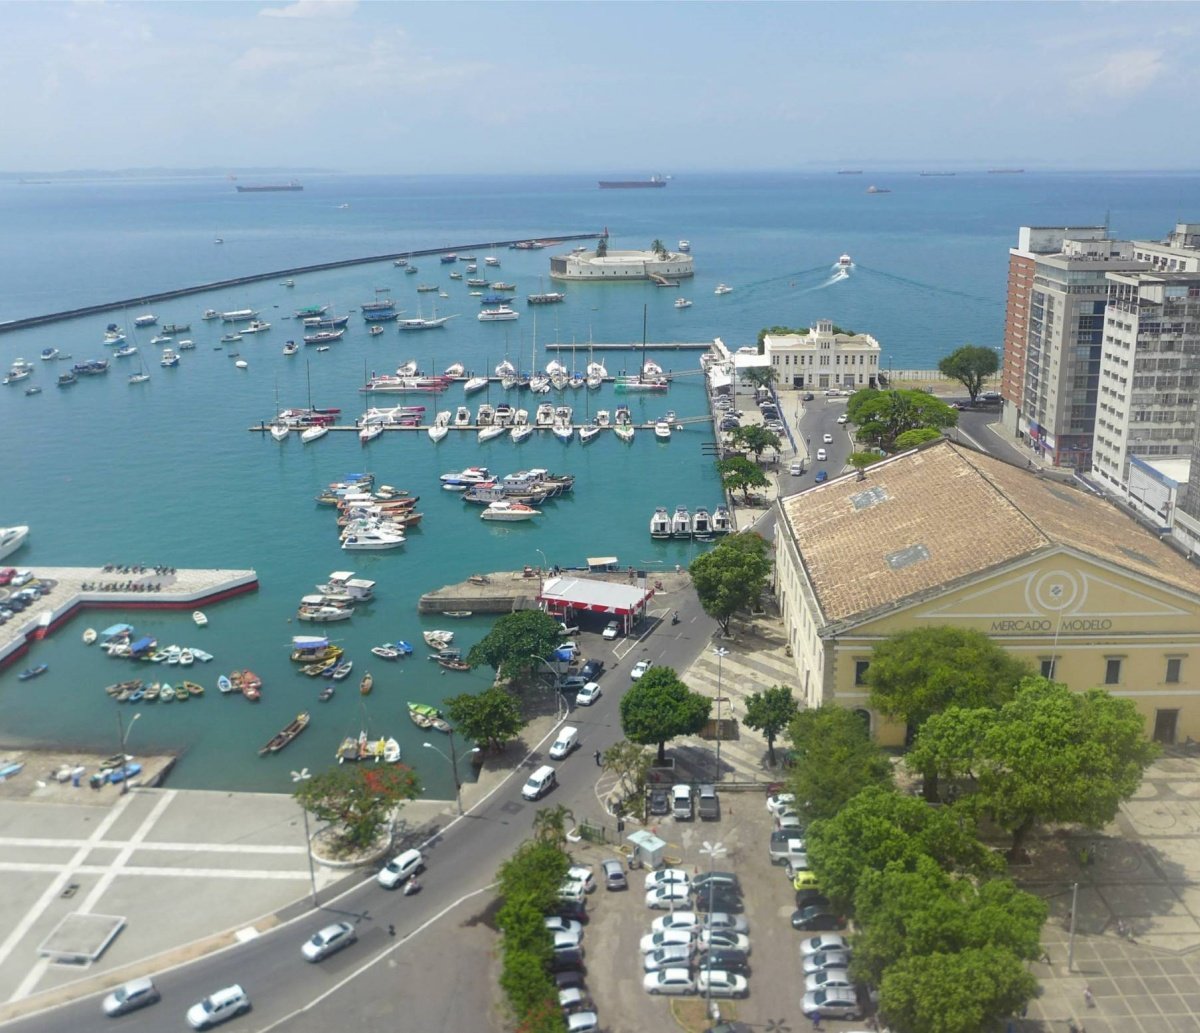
point(510, 498)
point(336, 598)
point(700, 525)
point(371, 519)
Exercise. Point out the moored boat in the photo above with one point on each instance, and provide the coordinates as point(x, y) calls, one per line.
point(33, 672)
point(367, 684)
point(342, 670)
point(281, 739)
point(425, 716)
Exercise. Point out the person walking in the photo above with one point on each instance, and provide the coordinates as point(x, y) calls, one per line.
point(597, 756)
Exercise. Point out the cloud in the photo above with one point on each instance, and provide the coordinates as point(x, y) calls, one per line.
point(1122, 74)
point(312, 9)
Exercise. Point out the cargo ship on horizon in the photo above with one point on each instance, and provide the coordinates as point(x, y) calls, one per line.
point(269, 188)
point(634, 184)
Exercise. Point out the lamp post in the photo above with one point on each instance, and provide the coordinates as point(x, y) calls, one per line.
point(124, 733)
point(304, 775)
point(720, 653)
point(712, 851)
point(452, 760)
point(559, 701)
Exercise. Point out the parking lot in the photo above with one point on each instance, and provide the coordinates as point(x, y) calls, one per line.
point(619, 920)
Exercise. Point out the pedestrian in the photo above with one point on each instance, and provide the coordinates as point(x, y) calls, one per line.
point(1088, 997)
point(391, 930)
point(816, 1019)
point(597, 756)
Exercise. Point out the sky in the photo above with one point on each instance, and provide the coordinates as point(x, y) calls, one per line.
point(378, 87)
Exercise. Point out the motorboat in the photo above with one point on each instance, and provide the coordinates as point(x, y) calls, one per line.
point(169, 358)
point(33, 389)
point(426, 716)
point(454, 370)
point(588, 434)
point(224, 685)
point(624, 431)
point(485, 416)
point(211, 313)
point(407, 369)
point(502, 312)
point(49, 354)
point(563, 430)
point(509, 512)
point(19, 371)
point(845, 262)
point(650, 368)
point(239, 315)
point(419, 323)
point(723, 289)
point(491, 260)
point(539, 384)
point(161, 339)
point(545, 298)
point(437, 638)
point(375, 331)
point(682, 303)
point(660, 523)
point(289, 732)
point(125, 351)
point(230, 338)
point(685, 246)
point(373, 538)
point(318, 430)
point(186, 345)
point(324, 614)
point(701, 524)
point(462, 417)
point(12, 538)
point(681, 523)
point(465, 478)
point(89, 636)
point(324, 336)
point(33, 672)
point(310, 312)
point(662, 430)
point(149, 319)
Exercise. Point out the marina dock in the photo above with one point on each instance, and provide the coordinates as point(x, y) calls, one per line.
point(575, 346)
point(507, 591)
point(79, 588)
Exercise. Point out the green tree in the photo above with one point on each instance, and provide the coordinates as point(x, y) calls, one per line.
point(971, 366)
point(861, 460)
point(602, 246)
point(882, 416)
point(955, 993)
point(515, 642)
point(358, 800)
point(760, 376)
point(913, 438)
point(755, 438)
point(1051, 754)
point(732, 576)
point(491, 717)
point(550, 824)
point(739, 474)
point(659, 707)
point(630, 763)
point(770, 712)
point(835, 760)
point(880, 829)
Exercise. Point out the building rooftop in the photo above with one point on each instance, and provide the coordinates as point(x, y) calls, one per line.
point(923, 521)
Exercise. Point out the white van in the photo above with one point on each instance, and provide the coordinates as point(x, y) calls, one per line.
point(540, 783)
point(400, 869)
point(568, 739)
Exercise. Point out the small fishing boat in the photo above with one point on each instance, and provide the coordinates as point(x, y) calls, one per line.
point(456, 613)
point(33, 672)
point(425, 716)
point(453, 664)
point(201, 655)
point(367, 684)
point(386, 652)
point(181, 693)
point(89, 636)
point(326, 694)
point(150, 693)
point(193, 689)
point(186, 658)
point(136, 696)
point(438, 639)
point(342, 670)
point(280, 739)
point(224, 685)
point(200, 619)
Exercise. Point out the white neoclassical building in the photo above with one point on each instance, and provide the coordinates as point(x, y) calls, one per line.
point(621, 265)
point(822, 358)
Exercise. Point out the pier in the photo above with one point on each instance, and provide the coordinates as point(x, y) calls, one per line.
point(183, 292)
point(508, 591)
point(178, 590)
point(560, 346)
point(677, 424)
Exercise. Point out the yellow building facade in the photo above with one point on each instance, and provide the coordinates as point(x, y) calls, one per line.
point(945, 535)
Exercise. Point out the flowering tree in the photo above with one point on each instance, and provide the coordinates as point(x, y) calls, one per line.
point(357, 799)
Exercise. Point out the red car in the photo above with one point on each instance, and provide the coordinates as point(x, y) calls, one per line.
point(7, 574)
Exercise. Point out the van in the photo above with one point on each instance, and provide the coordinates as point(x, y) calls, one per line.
point(400, 869)
point(796, 467)
point(218, 1007)
point(540, 783)
point(568, 739)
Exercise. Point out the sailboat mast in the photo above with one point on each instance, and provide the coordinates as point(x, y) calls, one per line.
point(642, 372)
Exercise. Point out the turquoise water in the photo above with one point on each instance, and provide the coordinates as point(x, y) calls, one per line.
point(166, 472)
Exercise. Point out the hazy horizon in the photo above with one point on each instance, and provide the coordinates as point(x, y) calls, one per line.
point(596, 88)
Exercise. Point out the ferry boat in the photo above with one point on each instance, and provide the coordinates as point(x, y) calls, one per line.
point(845, 262)
point(239, 315)
point(503, 312)
point(633, 184)
point(681, 523)
point(545, 298)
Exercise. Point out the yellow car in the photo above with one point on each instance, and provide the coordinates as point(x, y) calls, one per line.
point(805, 879)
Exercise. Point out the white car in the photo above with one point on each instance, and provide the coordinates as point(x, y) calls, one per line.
point(823, 942)
point(777, 803)
point(821, 456)
point(669, 981)
point(678, 920)
point(400, 869)
point(723, 940)
point(588, 695)
point(137, 993)
point(611, 630)
point(836, 978)
point(581, 873)
point(557, 924)
point(828, 439)
point(566, 940)
point(719, 983)
point(723, 920)
point(677, 956)
point(669, 895)
point(843, 418)
point(789, 821)
point(328, 941)
point(218, 1007)
point(640, 668)
point(826, 959)
point(666, 938)
point(666, 875)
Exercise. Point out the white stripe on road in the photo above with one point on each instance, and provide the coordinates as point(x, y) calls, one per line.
point(190, 873)
point(199, 848)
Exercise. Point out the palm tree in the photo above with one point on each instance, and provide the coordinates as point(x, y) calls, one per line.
point(550, 824)
point(659, 248)
point(602, 246)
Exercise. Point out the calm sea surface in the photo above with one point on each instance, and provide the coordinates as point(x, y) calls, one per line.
point(166, 472)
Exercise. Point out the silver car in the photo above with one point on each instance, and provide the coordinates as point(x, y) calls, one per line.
point(328, 941)
point(679, 956)
point(137, 993)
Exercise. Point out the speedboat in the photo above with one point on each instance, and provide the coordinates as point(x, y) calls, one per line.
point(49, 354)
point(169, 358)
point(660, 523)
point(12, 538)
point(682, 303)
point(455, 370)
point(149, 319)
point(681, 523)
point(291, 348)
point(662, 430)
point(845, 262)
point(464, 478)
point(685, 246)
point(373, 538)
point(509, 511)
point(723, 289)
point(624, 431)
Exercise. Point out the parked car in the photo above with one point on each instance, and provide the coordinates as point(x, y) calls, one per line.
point(614, 875)
point(328, 941)
point(588, 695)
point(592, 669)
point(571, 979)
point(611, 630)
point(137, 993)
point(676, 956)
point(582, 874)
point(828, 978)
point(784, 846)
point(722, 939)
point(660, 800)
point(681, 802)
point(708, 803)
point(826, 959)
point(834, 1003)
point(810, 895)
point(567, 961)
point(718, 880)
point(401, 868)
point(574, 910)
point(688, 920)
point(640, 668)
point(585, 1021)
point(818, 916)
point(777, 803)
point(669, 981)
point(803, 878)
point(571, 682)
point(218, 1007)
point(565, 941)
point(718, 982)
point(728, 960)
point(724, 920)
point(666, 875)
point(558, 924)
point(823, 942)
point(668, 895)
point(790, 821)
point(667, 938)
point(6, 576)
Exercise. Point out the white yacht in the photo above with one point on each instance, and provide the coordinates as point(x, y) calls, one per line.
point(685, 246)
point(494, 315)
point(455, 370)
point(314, 432)
point(845, 262)
point(701, 524)
point(682, 303)
point(660, 524)
point(509, 512)
point(475, 384)
point(588, 434)
point(373, 538)
point(465, 478)
point(722, 523)
point(441, 426)
point(462, 417)
point(681, 523)
point(723, 289)
point(12, 538)
point(662, 430)
point(279, 431)
point(506, 369)
point(520, 432)
point(369, 432)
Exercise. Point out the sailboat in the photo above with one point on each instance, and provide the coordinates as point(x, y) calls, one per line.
point(421, 323)
point(317, 430)
point(650, 378)
point(279, 429)
point(141, 376)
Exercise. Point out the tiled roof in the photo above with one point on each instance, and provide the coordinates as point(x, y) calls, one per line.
point(924, 520)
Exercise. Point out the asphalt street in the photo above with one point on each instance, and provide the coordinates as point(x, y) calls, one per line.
point(359, 986)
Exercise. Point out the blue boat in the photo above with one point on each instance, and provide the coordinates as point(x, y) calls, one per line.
point(33, 672)
point(126, 771)
point(137, 696)
point(495, 299)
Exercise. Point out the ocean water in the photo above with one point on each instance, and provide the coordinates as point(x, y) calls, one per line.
point(167, 472)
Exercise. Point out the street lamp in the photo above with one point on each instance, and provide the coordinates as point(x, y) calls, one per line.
point(712, 851)
point(720, 653)
point(124, 733)
point(452, 760)
point(302, 776)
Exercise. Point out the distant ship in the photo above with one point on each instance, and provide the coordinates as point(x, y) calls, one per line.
point(849, 172)
point(633, 184)
point(878, 190)
point(269, 188)
point(845, 262)
point(1005, 172)
point(939, 173)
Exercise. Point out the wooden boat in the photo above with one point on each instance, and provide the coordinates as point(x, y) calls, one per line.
point(278, 741)
point(326, 694)
point(33, 672)
point(224, 685)
point(200, 618)
point(451, 664)
point(315, 670)
point(181, 694)
point(193, 689)
point(165, 693)
point(137, 696)
point(89, 636)
point(186, 658)
point(438, 639)
point(367, 684)
point(151, 692)
point(386, 652)
point(251, 684)
point(425, 716)
point(342, 670)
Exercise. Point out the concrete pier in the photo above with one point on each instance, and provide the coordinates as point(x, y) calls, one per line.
point(506, 591)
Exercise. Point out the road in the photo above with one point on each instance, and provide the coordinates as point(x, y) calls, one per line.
point(359, 987)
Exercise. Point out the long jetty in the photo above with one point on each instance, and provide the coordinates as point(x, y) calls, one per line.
point(342, 263)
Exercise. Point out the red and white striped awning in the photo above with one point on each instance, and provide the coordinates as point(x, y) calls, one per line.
point(582, 593)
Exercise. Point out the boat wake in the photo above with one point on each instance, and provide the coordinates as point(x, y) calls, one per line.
point(839, 274)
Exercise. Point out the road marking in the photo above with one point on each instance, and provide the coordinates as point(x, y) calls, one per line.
point(378, 958)
point(208, 848)
point(109, 872)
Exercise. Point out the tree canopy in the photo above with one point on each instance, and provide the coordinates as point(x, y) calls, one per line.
point(755, 438)
point(760, 376)
point(515, 642)
point(971, 366)
point(731, 577)
point(913, 438)
point(882, 416)
point(630, 762)
point(357, 799)
point(770, 712)
point(659, 707)
point(490, 718)
point(1049, 754)
point(739, 474)
point(835, 760)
